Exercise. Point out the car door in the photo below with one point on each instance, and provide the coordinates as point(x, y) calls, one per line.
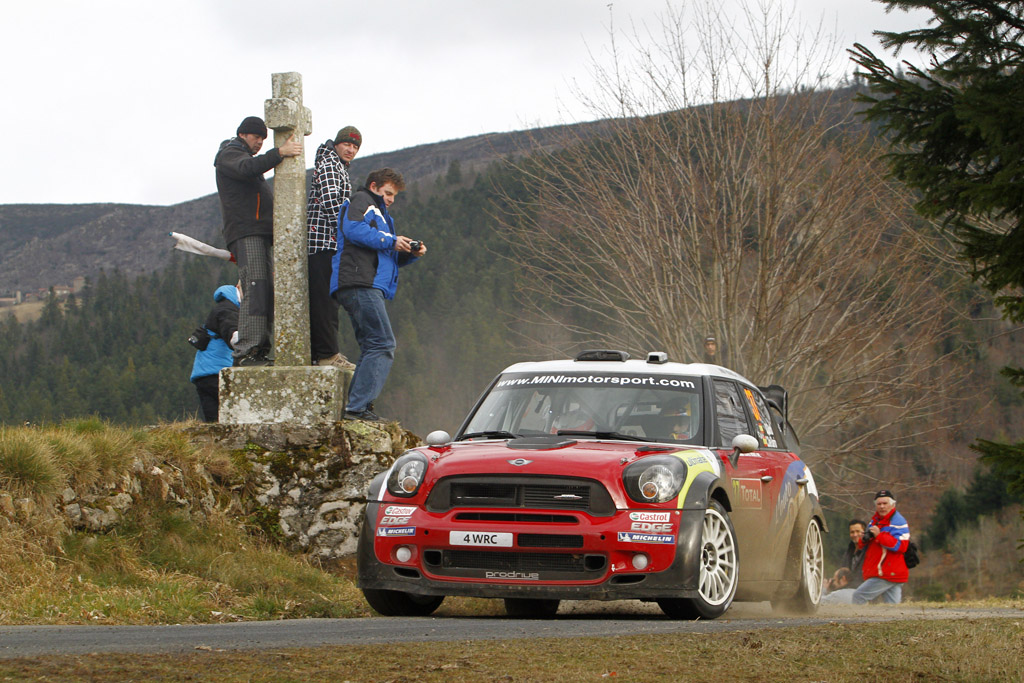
point(749, 482)
point(782, 491)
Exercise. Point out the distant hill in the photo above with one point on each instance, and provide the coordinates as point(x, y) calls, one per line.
point(49, 244)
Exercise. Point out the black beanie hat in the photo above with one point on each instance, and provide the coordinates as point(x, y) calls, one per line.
point(254, 125)
point(349, 134)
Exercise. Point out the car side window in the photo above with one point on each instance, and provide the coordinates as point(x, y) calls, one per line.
point(763, 424)
point(732, 420)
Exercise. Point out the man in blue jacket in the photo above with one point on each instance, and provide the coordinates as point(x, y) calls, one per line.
point(221, 324)
point(364, 274)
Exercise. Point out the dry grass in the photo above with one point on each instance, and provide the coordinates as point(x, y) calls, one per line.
point(161, 564)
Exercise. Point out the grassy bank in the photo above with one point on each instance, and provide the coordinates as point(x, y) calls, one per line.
point(962, 650)
point(163, 563)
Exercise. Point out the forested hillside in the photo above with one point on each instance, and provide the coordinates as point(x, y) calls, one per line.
point(119, 351)
point(504, 250)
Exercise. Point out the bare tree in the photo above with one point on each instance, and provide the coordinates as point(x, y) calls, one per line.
point(734, 198)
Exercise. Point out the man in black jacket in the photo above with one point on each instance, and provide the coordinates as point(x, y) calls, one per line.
point(247, 209)
point(848, 577)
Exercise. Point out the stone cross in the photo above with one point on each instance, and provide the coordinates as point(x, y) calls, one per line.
point(286, 115)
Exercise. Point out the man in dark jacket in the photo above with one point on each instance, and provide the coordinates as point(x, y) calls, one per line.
point(847, 578)
point(330, 187)
point(221, 323)
point(364, 274)
point(247, 209)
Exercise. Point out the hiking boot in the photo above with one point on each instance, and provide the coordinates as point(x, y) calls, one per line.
point(338, 361)
point(253, 359)
point(364, 415)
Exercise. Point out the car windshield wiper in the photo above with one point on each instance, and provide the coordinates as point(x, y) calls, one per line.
point(489, 435)
point(602, 435)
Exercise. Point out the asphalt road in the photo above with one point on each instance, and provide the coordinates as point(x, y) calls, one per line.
point(574, 620)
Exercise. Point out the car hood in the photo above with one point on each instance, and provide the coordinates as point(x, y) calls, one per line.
point(562, 457)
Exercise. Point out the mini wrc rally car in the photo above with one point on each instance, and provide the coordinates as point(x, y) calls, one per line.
point(601, 478)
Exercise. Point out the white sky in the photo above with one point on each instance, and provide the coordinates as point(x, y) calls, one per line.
point(127, 100)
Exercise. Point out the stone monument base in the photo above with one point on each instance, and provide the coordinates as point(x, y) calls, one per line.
point(308, 395)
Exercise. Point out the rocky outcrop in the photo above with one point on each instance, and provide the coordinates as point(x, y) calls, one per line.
point(309, 483)
point(306, 486)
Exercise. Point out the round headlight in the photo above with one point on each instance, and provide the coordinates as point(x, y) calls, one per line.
point(655, 479)
point(407, 474)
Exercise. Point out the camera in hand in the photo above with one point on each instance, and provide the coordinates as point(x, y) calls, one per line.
point(868, 535)
point(415, 245)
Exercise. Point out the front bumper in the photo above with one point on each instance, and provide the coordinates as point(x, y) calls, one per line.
point(585, 559)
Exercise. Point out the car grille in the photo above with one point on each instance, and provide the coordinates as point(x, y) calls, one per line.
point(548, 541)
point(516, 517)
point(535, 493)
point(515, 565)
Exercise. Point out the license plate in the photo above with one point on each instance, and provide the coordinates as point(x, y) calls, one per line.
point(487, 538)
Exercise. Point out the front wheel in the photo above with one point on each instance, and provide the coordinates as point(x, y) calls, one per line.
point(531, 608)
point(812, 573)
point(719, 570)
point(399, 604)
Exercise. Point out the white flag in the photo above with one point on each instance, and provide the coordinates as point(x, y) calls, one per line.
point(194, 246)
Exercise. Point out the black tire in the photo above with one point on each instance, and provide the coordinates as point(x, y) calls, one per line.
point(719, 570)
point(399, 604)
point(812, 573)
point(531, 608)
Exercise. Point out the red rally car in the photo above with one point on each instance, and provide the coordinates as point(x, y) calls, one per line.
point(601, 478)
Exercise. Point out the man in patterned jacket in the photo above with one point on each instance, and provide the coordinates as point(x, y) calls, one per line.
point(884, 542)
point(330, 188)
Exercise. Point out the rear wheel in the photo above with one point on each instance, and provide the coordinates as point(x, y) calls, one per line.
point(399, 604)
point(719, 570)
point(812, 573)
point(531, 608)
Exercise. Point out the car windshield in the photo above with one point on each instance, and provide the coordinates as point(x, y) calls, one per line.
point(662, 408)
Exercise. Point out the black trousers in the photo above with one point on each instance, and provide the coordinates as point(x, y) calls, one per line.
point(323, 310)
point(208, 389)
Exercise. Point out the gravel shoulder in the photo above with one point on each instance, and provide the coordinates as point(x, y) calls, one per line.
point(583, 619)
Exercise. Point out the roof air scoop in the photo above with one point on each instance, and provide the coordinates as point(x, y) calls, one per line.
point(602, 355)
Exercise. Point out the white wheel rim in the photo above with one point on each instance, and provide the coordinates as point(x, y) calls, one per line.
point(717, 559)
point(814, 563)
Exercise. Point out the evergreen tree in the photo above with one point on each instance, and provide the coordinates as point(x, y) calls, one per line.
point(957, 130)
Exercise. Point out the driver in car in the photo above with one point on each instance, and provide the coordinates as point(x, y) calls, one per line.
point(677, 420)
point(574, 418)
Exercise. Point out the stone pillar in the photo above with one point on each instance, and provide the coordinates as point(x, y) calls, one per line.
point(285, 114)
point(292, 391)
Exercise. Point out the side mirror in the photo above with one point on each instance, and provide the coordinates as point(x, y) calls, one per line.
point(440, 438)
point(741, 443)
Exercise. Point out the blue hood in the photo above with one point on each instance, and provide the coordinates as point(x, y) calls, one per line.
point(226, 292)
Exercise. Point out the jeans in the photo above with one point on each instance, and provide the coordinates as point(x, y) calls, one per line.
point(891, 592)
point(841, 596)
point(365, 307)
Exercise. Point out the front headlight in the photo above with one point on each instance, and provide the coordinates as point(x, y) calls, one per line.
point(407, 474)
point(655, 479)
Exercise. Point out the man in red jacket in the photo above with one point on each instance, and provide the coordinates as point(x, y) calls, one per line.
point(884, 543)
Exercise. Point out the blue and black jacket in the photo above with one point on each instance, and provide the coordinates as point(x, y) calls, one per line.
point(221, 323)
point(366, 255)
